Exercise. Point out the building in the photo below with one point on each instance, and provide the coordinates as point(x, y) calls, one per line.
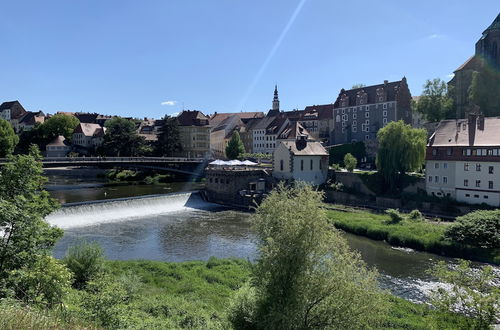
point(217, 118)
point(87, 137)
point(59, 147)
point(28, 121)
point(463, 160)
point(194, 131)
point(300, 159)
point(222, 133)
point(487, 54)
point(12, 111)
point(359, 113)
point(324, 124)
point(246, 133)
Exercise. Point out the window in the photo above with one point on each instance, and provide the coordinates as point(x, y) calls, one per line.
point(445, 179)
point(434, 152)
point(466, 183)
point(490, 169)
point(301, 164)
point(448, 151)
point(354, 116)
point(385, 106)
point(445, 165)
point(468, 152)
point(354, 123)
point(311, 164)
point(436, 179)
point(354, 129)
point(281, 165)
point(476, 196)
point(367, 114)
point(478, 167)
point(466, 166)
point(478, 183)
point(384, 113)
point(467, 195)
point(343, 111)
point(485, 196)
point(490, 184)
point(367, 137)
point(436, 165)
point(430, 178)
point(384, 121)
point(320, 165)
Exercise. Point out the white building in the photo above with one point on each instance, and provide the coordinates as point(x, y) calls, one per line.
point(88, 136)
point(302, 160)
point(463, 160)
point(59, 147)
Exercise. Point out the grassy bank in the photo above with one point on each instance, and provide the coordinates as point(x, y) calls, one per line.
point(187, 295)
point(418, 235)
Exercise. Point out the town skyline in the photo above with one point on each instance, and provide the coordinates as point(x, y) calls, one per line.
point(132, 73)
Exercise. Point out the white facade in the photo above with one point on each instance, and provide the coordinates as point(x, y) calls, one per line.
point(473, 182)
point(310, 168)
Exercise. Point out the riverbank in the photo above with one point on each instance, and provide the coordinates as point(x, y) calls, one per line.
point(193, 294)
point(419, 235)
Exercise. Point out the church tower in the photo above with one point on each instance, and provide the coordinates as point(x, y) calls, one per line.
point(488, 47)
point(276, 100)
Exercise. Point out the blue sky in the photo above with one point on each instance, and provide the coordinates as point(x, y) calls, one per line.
point(128, 57)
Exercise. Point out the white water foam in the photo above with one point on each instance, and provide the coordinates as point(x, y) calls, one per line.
point(92, 213)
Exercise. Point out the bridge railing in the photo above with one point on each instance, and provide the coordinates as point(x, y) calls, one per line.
point(117, 159)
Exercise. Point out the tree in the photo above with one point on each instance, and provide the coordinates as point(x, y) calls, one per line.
point(338, 152)
point(356, 86)
point(305, 277)
point(350, 162)
point(470, 291)
point(484, 91)
point(435, 104)
point(86, 262)
point(169, 141)
point(8, 138)
point(27, 240)
point(122, 140)
point(401, 149)
point(235, 147)
point(59, 124)
point(479, 228)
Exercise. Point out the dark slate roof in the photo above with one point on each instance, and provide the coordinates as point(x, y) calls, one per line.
point(293, 131)
point(456, 132)
point(495, 25)
point(390, 88)
point(325, 111)
point(192, 118)
point(276, 124)
point(86, 117)
point(7, 105)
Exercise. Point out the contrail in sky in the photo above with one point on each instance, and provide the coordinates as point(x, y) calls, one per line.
point(271, 54)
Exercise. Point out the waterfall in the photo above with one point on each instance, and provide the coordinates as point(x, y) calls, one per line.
point(90, 213)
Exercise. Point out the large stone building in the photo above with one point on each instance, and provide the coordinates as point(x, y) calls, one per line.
point(359, 113)
point(12, 111)
point(487, 55)
point(194, 131)
point(463, 160)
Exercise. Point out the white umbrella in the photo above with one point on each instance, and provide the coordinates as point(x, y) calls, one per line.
point(217, 162)
point(248, 162)
point(233, 162)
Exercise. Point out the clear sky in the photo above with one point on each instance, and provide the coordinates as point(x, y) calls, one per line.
point(149, 58)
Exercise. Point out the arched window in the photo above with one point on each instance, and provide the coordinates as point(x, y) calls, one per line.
point(338, 119)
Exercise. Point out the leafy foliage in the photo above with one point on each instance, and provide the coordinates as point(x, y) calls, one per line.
point(8, 138)
point(416, 215)
point(394, 215)
point(479, 228)
point(401, 149)
point(86, 261)
point(471, 293)
point(306, 276)
point(350, 162)
point(122, 140)
point(337, 153)
point(235, 147)
point(435, 104)
point(59, 124)
point(169, 143)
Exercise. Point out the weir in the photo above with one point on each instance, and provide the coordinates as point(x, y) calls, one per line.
point(96, 212)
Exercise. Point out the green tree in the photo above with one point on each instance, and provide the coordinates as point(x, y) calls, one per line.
point(169, 140)
point(479, 228)
point(235, 147)
point(306, 277)
point(484, 91)
point(59, 124)
point(401, 149)
point(471, 292)
point(435, 104)
point(8, 138)
point(122, 140)
point(350, 162)
point(355, 86)
point(86, 261)
point(27, 239)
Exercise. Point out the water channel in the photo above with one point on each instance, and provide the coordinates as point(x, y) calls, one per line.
point(180, 226)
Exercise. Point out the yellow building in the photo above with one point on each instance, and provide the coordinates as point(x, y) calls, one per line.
point(194, 131)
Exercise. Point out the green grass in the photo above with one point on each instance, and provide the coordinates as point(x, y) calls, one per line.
point(418, 235)
point(187, 295)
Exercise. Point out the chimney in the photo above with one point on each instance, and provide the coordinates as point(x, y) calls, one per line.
point(480, 122)
point(471, 123)
point(386, 82)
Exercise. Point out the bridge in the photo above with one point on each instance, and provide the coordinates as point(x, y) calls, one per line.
point(188, 166)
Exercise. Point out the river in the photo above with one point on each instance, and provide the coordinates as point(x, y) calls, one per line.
point(181, 226)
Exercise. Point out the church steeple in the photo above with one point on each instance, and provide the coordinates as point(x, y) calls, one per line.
point(276, 100)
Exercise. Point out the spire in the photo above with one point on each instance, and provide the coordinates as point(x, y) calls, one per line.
point(276, 100)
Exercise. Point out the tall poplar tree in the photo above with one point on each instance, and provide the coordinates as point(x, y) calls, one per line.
point(235, 147)
point(169, 141)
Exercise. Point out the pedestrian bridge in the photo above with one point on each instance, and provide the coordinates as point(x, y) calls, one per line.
point(189, 166)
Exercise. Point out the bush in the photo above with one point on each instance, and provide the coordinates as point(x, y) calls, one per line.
point(350, 162)
point(242, 308)
point(395, 216)
point(416, 215)
point(86, 261)
point(479, 228)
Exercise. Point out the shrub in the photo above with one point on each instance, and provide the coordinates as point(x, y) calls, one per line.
point(350, 162)
point(242, 308)
point(479, 228)
point(86, 261)
point(395, 216)
point(416, 215)
point(337, 186)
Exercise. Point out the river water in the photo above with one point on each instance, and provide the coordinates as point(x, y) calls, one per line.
point(181, 226)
